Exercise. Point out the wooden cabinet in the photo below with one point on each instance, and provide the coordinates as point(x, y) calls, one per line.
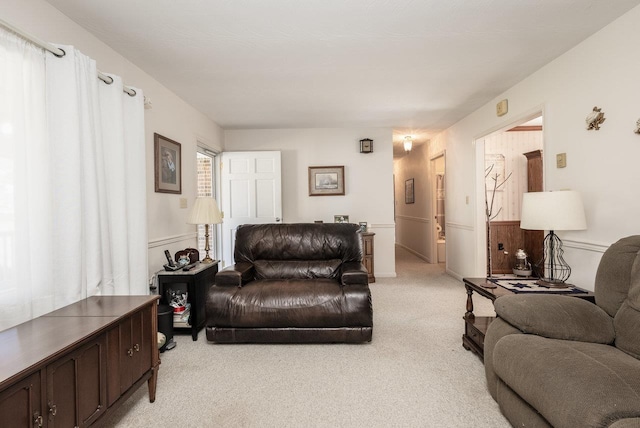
point(129, 352)
point(65, 369)
point(533, 239)
point(76, 387)
point(21, 403)
point(367, 254)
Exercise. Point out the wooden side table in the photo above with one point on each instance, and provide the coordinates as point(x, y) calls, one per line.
point(475, 328)
point(195, 283)
point(367, 254)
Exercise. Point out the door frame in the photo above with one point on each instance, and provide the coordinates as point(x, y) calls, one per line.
point(478, 142)
point(434, 196)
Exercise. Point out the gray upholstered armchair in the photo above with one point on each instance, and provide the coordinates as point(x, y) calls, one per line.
point(564, 362)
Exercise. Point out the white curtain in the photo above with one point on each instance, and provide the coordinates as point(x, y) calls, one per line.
point(79, 203)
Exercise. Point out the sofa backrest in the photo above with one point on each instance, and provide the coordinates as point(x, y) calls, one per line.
point(617, 290)
point(304, 250)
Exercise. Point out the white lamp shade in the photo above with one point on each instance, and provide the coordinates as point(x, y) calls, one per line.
point(205, 211)
point(559, 210)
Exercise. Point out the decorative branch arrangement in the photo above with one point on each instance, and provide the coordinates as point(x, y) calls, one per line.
point(488, 205)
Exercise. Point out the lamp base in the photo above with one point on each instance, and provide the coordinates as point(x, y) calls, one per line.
point(552, 283)
point(207, 260)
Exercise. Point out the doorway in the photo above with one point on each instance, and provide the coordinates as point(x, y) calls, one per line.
point(512, 166)
point(438, 232)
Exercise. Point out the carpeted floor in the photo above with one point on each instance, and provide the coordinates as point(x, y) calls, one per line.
point(414, 373)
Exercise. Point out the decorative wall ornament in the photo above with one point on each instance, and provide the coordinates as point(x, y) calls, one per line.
point(595, 119)
point(637, 131)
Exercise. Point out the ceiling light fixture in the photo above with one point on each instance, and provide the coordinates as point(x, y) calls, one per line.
point(408, 143)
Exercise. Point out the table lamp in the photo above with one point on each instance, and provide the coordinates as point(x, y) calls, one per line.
point(205, 211)
point(559, 210)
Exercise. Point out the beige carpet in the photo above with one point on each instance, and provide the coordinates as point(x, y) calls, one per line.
point(414, 373)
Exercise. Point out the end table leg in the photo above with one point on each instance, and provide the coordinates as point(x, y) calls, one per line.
point(469, 313)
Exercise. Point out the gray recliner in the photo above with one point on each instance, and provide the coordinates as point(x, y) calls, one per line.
point(564, 362)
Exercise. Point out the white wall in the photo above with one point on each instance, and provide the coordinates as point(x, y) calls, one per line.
point(170, 117)
point(368, 178)
point(602, 165)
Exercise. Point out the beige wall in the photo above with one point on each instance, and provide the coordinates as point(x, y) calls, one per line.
point(368, 178)
point(414, 222)
point(170, 117)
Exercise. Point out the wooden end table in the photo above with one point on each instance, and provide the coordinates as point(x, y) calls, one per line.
point(196, 283)
point(475, 328)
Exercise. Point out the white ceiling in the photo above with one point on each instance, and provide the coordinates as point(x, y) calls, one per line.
point(417, 66)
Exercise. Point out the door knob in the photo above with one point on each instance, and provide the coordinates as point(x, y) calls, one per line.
point(277, 219)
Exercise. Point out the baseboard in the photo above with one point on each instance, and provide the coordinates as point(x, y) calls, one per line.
point(415, 253)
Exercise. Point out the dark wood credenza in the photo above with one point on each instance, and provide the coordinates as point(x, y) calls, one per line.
point(68, 368)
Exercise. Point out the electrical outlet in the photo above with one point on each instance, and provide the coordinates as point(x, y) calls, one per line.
point(561, 160)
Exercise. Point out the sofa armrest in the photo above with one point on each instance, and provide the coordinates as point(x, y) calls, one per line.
point(354, 273)
point(236, 275)
point(556, 317)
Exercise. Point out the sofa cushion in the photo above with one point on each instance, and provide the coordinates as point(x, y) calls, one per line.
point(298, 242)
point(627, 320)
point(556, 317)
point(290, 303)
point(571, 384)
point(615, 273)
point(297, 269)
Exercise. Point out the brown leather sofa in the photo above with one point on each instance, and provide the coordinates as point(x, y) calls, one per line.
point(292, 283)
point(564, 362)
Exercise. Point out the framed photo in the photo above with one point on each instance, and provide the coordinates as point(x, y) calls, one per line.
point(341, 219)
point(363, 226)
point(167, 165)
point(409, 196)
point(326, 180)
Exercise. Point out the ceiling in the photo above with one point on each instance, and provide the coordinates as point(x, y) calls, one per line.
point(417, 66)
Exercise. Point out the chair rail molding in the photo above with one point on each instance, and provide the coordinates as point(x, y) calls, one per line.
point(166, 240)
point(416, 219)
point(596, 247)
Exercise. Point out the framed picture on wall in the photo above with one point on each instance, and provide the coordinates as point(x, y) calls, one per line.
point(409, 195)
point(326, 180)
point(167, 165)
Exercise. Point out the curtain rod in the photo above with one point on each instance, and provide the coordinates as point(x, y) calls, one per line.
point(60, 53)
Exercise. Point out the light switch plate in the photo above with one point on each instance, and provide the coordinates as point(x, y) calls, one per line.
point(183, 202)
point(561, 160)
point(502, 107)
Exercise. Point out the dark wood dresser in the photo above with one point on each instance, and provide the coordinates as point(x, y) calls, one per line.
point(68, 368)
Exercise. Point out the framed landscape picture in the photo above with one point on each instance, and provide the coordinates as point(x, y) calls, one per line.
point(167, 165)
point(326, 180)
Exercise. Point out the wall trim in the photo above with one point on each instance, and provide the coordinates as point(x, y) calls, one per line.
point(166, 240)
point(416, 219)
point(458, 226)
point(415, 253)
point(386, 275)
point(585, 245)
point(383, 226)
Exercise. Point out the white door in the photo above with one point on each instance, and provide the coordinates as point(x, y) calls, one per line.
point(251, 193)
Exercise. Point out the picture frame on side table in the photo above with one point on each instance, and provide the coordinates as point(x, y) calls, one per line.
point(167, 165)
point(326, 180)
point(341, 218)
point(409, 195)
